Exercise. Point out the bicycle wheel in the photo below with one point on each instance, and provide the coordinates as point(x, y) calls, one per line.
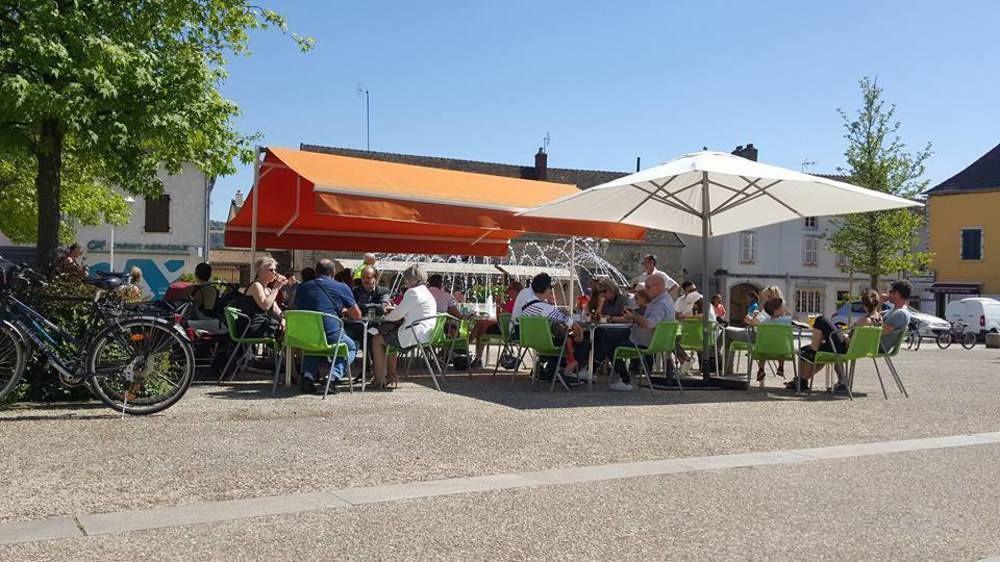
point(13, 355)
point(144, 360)
point(911, 340)
point(944, 340)
point(968, 340)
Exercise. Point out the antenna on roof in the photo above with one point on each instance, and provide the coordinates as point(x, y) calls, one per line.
point(546, 141)
point(367, 130)
point(806, 164)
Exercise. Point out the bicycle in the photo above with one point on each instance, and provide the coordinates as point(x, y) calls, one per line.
point(956, 333)
point(134, 361)
point(913, 337)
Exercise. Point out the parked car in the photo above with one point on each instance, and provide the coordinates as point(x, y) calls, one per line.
point(979, 314)
point(928, 324)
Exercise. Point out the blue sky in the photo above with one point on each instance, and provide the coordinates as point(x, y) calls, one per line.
point(611, 81)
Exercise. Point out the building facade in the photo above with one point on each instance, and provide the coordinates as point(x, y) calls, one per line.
point(964, 233)
point(793, 256)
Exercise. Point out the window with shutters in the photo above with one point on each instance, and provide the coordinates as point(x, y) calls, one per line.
point(748, 247)
point(158, 214)
point(809, 301)
point(972, 243)
point(810, 250)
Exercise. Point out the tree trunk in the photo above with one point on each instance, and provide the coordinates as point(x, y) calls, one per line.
point(875, 278)
point(48, 183)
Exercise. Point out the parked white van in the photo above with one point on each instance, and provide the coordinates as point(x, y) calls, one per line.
point(980, 315)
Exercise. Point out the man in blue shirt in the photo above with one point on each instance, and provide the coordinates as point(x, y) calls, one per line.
point(323, 294)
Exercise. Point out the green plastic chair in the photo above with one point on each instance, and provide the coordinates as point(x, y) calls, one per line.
point(536, 335)
point(692, 340)
point(424, 348)
point(864, 345)
point(663, 341)
point(738, 347)
point(511, 343)
point(772, 342)
point(887, 357)
point(232, 315)
point(305, 330)
point(501, 339)
point(441, 342)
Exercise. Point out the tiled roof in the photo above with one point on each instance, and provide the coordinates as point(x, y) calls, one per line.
point(580, 178)
point(982, 174)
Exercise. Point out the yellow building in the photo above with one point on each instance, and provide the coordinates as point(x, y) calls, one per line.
point(964, 232)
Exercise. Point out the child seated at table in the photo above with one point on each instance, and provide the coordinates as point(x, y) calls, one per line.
point(775, 312)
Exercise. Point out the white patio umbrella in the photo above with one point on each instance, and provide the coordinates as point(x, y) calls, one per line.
point(714, 193)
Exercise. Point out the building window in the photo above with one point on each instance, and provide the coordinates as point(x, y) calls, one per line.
point(809, 301)
point(810, 250)
point(972, 243)
point(811, 223)
point(748, 247)
point(158, 214)
point(841, 260)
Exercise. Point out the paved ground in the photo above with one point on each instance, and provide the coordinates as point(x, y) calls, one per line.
point(236, 442)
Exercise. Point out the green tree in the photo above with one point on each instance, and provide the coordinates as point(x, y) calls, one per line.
point(102, 93)
point(884, 242)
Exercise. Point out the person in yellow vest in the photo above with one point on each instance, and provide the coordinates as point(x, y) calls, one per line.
point(368, 260)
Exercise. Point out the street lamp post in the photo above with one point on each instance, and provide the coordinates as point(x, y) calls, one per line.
point(111, 249)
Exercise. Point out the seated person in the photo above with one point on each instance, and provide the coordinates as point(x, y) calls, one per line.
point(418, 310)
point(755, 315)
point(444, 301)
point(308, 274)
point(659, 309)
point(775, 312)
point(204, 294)
point(491, 326)
point(608, 302)
point(564, 330)
point(259, 303)
point(372, 298)
point(328, 296)
point(344, 276)
point(827, 338)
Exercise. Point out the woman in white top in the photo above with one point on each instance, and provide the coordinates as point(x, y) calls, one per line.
point(418, 304)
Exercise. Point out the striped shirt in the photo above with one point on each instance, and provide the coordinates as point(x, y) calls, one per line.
point(547, 310)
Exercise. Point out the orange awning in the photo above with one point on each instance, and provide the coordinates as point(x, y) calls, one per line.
point(319, 201)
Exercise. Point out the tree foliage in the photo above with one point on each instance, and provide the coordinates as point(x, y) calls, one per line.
point(884, 242)
point(101, 93)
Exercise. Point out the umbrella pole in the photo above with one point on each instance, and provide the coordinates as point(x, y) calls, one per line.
point(253, 218)
point(572, 275)
point(706, 211)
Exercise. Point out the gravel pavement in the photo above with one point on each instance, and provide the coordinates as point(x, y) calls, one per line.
point(236, 442)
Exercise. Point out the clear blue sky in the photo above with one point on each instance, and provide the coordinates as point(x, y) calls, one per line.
point(614, 80)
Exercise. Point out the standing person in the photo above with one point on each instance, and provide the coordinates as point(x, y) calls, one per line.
point(326, 295)
point(649, 268)
point(367, 261)
point(417, 309)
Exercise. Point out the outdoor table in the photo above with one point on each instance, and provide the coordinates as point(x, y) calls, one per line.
point(593, 327)
point(366, 321)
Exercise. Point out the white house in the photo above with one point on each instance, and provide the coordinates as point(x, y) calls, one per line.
point(791, 255)
point(165, 238)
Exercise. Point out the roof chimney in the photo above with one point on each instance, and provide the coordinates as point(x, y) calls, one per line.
point(748, 152)
point(541, 165)
point(238, 198)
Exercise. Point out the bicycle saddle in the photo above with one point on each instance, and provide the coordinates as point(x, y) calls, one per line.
point(104, 283)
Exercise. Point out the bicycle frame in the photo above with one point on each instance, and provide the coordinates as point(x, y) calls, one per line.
point(49, 337)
